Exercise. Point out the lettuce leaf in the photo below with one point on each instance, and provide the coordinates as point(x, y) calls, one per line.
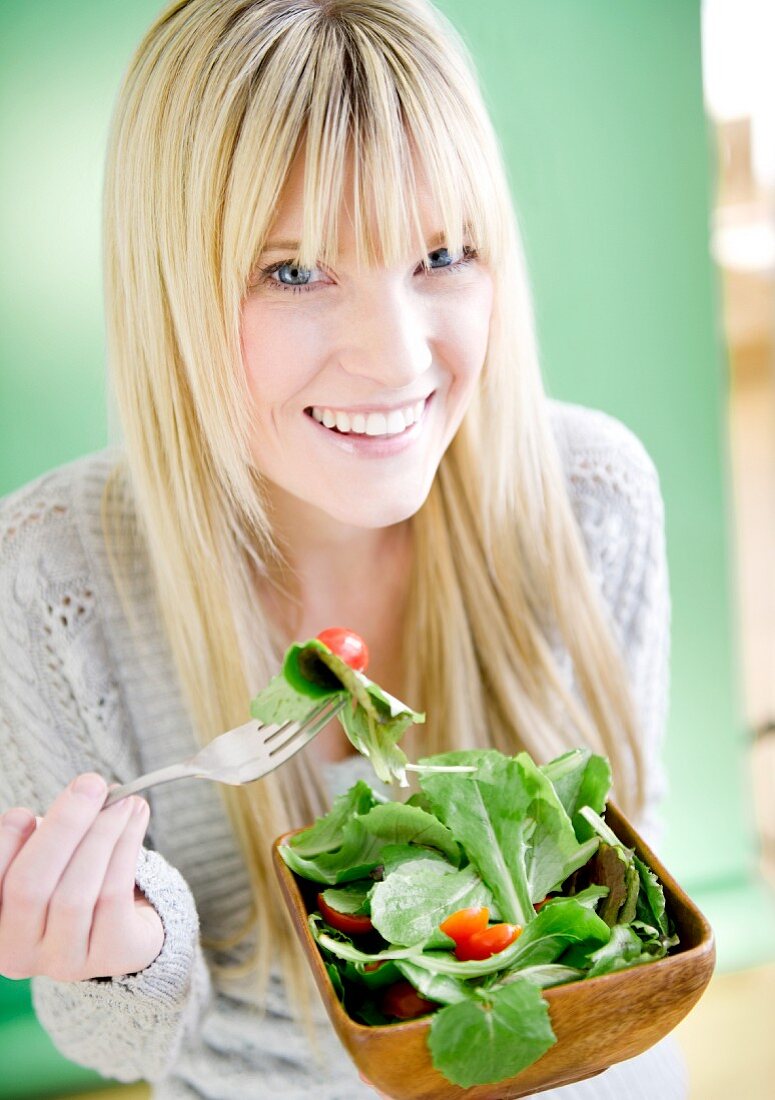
point(410, 904)
point(511, 824)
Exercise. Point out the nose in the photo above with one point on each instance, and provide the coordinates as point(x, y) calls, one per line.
point(385, 338)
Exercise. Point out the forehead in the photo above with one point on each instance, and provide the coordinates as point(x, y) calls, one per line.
point(286, 228)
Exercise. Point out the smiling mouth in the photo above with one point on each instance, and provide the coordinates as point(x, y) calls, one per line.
point(363, 433)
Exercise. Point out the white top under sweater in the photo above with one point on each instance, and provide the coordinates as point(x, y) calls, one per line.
point(76, 695)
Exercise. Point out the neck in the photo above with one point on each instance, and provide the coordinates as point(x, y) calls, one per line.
point(336, 574)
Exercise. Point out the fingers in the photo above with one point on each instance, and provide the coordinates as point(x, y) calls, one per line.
point(16, 826)
point(34, 873)
point(116, 913)
point(118, 887)
point(64, 946)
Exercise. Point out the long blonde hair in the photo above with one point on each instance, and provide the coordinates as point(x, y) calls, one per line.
point(217, 101)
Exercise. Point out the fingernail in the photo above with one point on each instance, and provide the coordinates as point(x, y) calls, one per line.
point(138, 806)
point(18, 820)
point(91, 786)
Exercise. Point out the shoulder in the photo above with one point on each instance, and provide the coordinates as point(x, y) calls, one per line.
point(614, 489)
point(42, 522)
point(48, 535)
point(57, 689)
point(594, 443)
point(607, 468)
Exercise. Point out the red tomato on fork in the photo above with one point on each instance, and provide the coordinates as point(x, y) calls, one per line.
point(346, 644)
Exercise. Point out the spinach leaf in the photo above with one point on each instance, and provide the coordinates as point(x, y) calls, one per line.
point(281, 702)
point(475, 1042)
point(373, 720)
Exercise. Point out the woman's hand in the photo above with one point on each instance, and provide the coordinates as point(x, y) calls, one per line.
point(69, 908)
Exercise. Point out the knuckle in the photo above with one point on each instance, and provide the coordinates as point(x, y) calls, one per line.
point(110, 897)
point(68, 903)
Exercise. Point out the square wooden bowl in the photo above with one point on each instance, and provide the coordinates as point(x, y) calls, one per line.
point(597, 1021)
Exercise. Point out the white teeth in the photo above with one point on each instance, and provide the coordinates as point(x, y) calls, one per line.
point(395, 422)
point(376, 424)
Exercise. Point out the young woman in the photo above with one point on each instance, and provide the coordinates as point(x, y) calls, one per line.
point(323, 360)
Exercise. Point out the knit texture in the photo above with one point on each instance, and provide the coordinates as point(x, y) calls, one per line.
point(79, 691)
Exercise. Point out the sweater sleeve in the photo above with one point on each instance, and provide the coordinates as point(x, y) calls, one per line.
point(616, 495)
point(60, 714)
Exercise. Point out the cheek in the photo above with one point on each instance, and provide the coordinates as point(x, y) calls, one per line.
point(278, 356)
point(467, 330)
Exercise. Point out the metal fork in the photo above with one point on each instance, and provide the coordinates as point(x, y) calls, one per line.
point(239, 755)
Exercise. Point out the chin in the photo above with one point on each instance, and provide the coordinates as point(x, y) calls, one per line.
point(378, 512)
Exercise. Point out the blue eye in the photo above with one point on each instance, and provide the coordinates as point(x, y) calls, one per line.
point(294, 277)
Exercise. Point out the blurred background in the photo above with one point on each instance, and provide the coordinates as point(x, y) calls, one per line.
point(640, 139)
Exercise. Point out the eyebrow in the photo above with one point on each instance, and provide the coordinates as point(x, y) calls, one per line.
point(287, 245)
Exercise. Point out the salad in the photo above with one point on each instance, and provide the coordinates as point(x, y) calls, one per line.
point(498, 880)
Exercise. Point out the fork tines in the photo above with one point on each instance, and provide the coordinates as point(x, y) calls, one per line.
point(288, 734)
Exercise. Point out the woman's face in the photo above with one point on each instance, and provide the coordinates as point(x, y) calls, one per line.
point(386, 357)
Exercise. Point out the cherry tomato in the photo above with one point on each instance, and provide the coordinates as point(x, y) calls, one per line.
point(401, 999)
point(481, 945)
point(463, 923)
point(344, 922)
point(348, 645)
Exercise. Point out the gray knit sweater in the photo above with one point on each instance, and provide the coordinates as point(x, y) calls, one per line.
point(76, 694)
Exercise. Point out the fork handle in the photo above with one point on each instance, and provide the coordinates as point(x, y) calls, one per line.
point(152, 779)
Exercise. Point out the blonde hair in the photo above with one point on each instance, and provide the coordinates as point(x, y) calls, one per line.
point(217, 101)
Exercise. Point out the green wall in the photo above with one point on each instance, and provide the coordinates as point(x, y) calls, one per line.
point(599, 107)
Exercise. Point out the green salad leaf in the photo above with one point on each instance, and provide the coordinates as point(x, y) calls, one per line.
point(413, 901)
point(506, 835)
point(327, 834)
point(373, 720)
point(358, 854)
point(397, 823)
point(512, 824)
point(474, 1042)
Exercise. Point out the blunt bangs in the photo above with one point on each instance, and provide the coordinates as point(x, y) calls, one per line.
point(348, 84)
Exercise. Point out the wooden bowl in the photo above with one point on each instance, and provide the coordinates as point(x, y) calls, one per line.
point(597, 1021)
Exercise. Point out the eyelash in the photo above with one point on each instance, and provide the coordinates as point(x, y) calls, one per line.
point(469, 255)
